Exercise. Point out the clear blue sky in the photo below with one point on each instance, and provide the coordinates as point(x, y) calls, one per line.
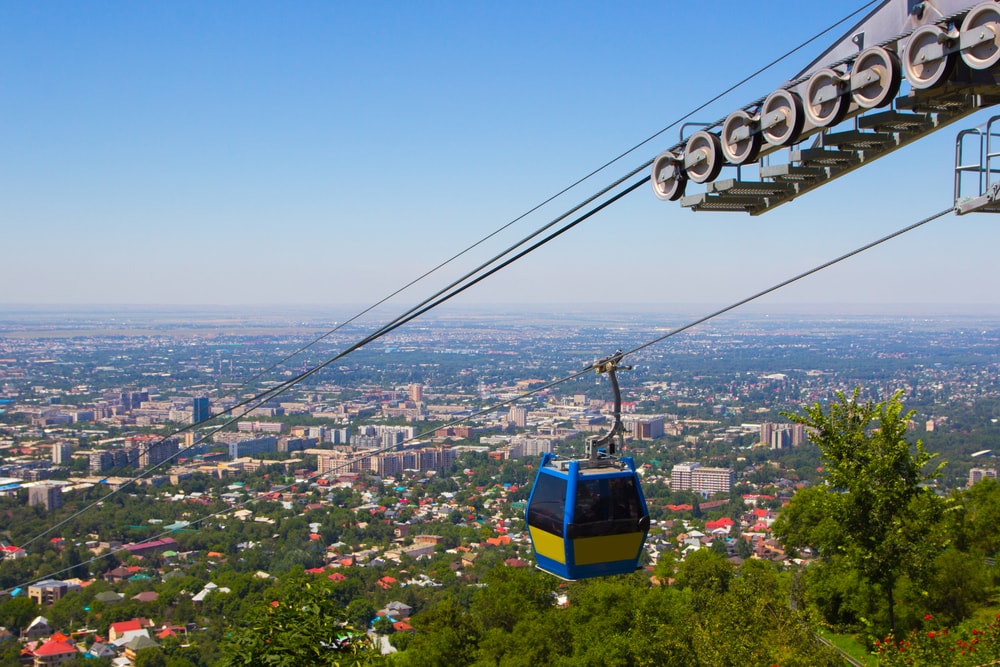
point(328, 152)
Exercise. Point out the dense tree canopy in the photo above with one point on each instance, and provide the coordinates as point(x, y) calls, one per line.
point(874, 511)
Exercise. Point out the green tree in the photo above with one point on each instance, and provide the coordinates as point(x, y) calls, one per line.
point(743, 548)
point(719, 547)
point(666, 565)
point(16, 613)
point(73, 562)
point(809, 521)
point(707, 575)
point(874, 490)
point(510, 594)
point(446, 636)
point(837, 591)
point(958, 585)
point(383, 626)
point(176, 661)
point(751, 624)
point(977, 519)
point(360, 611)
point(304, 627)
point(150, 657)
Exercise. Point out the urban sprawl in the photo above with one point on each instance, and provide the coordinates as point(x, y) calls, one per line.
point(440, 424)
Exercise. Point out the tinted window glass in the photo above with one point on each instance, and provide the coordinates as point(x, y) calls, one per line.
point(624, 499)
point(548, 504)
point(591, 504)
point(606, 507)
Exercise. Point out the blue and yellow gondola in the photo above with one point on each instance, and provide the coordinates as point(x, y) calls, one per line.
point(588, 517)
point(587, 521)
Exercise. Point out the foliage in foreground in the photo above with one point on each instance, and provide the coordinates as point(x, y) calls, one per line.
point(717, 615)
point(304, 626)
point(874, 513)
point(932, 648)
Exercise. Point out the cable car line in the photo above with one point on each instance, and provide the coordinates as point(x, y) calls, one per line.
point(535, 208)
point(588, 517)
point(791, 280)
point(457, 287)
point(496, 406)
point(262, 396)
point(316, 476)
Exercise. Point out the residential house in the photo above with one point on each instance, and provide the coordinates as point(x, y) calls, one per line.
point(54, 652)
point(396, 609)
point(136, 644)
point(48, 591)
point(117, 575)
point(12, 552)
point(101, 650)
point(37, 628)
point(122, 632)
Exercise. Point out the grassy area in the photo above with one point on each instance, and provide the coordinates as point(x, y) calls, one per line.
point(851, 646)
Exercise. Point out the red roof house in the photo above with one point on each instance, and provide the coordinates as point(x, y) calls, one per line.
point(54, 652)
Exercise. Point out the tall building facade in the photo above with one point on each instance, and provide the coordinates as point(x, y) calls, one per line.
point(518, 416)
point(690, 476)
point(782, 436)
point(252, 447)
point(645, 428)
point(682, 475)
point(49, 495)
point(200, 409)
point(387, 464)
point(977, 475)
point(62, 452)
point(155, 451)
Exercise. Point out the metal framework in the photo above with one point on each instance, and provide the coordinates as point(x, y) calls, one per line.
point(985, 192)
point(844, 110)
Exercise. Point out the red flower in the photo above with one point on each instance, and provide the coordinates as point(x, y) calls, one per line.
point(975, 631)
point(930, 634)
point(927, 617)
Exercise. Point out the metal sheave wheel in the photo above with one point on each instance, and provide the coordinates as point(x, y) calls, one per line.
point(875, 78)
point(741, 138)
point(703, 158)
point(982, 24)
point(669, 178)
point(825, 102)
point(782, 118)
point(925, 59)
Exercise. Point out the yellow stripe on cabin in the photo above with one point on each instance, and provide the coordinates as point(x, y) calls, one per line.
point(606, 549)
point(549, 545)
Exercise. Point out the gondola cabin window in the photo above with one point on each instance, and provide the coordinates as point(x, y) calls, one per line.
point(606, 507)
point(548, 505)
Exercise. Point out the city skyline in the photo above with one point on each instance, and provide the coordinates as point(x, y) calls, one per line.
point(328, 155)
